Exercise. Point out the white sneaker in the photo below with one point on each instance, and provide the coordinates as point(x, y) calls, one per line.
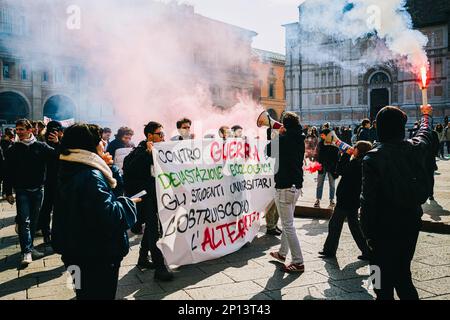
point(27, 259)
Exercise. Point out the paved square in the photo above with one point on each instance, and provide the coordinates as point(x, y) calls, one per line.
point(245, 275)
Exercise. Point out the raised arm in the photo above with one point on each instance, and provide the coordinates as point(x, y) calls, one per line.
point(424, 137)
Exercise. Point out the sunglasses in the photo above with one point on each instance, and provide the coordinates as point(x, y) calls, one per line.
point(160, 134)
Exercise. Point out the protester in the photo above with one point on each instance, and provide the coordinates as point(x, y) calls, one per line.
point(184, 130)
point(373, 137)
point(355, 135)
point(106, 136)
point(327, 156)
point(34, 128)
point(138, 176)
point(25, 168)
point(272, 218)
point(431, 160)
point(440, 134)
point(90, 223)
point(347, 207)
point(364, 131)
point(41, 128)
point(288, 150)
point(53, 137)
point(446, 137)
point(237, 132)
point(224, 132)
point(396, 182)
point(122, 140)
point(6, 141)
point(311, 141)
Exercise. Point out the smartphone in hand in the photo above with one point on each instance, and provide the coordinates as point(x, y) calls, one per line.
point(139, 195)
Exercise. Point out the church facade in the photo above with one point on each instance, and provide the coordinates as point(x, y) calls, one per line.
point(328, 93)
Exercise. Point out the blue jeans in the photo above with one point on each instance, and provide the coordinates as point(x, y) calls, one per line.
point(320, 183)
point(28, 206)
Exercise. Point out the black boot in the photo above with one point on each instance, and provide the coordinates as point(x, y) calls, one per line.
point(47, 239)
point(145, 263)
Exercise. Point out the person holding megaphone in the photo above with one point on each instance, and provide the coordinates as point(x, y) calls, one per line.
point(288, 148)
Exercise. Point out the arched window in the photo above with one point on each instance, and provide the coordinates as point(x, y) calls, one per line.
point(379, 78)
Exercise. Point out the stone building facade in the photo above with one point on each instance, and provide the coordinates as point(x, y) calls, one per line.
point(328, 93)
point(269, 86)
point(42, 81)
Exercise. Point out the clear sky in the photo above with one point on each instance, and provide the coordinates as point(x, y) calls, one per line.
point(263, 16)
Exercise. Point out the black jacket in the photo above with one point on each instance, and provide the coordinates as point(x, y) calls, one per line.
point(328, 157)
point(5, 144)
point(137, 173)
point(364, 135)
point(89, 221)
point(373, 135)
point(385, 211)
point(349, 188)
point(289, 152)
point(26, 166)
point(53, 165)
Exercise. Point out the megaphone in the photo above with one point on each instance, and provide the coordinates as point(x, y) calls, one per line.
point(264, 120)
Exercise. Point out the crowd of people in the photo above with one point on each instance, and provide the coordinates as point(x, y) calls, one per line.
point(66, 187)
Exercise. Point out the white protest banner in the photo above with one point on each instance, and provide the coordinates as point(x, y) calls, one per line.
point(65, 123)
point(211, 196)
point(120, 156)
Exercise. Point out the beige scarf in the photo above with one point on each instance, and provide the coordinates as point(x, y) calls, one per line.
point(92, 160)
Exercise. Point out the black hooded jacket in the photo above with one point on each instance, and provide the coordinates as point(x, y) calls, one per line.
point(289, 152)
point(396, 179)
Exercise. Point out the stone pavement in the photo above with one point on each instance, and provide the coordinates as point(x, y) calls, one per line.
point(247, 274)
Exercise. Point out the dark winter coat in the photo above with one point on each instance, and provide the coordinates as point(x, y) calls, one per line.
point(89, 222)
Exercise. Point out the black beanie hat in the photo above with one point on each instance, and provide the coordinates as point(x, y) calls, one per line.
point(391, 123)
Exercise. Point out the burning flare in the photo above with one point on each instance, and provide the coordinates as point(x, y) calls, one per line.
point(424, 85)
point(424, 78)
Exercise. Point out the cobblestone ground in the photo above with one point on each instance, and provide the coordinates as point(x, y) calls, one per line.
point(247, 274)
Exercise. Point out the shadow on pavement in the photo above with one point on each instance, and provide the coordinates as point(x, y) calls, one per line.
point(137, 284)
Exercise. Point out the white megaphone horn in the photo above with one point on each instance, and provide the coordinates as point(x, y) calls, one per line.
point(264, 120)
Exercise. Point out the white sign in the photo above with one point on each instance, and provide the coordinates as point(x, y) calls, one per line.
point(211, 196)
point(120, 156)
